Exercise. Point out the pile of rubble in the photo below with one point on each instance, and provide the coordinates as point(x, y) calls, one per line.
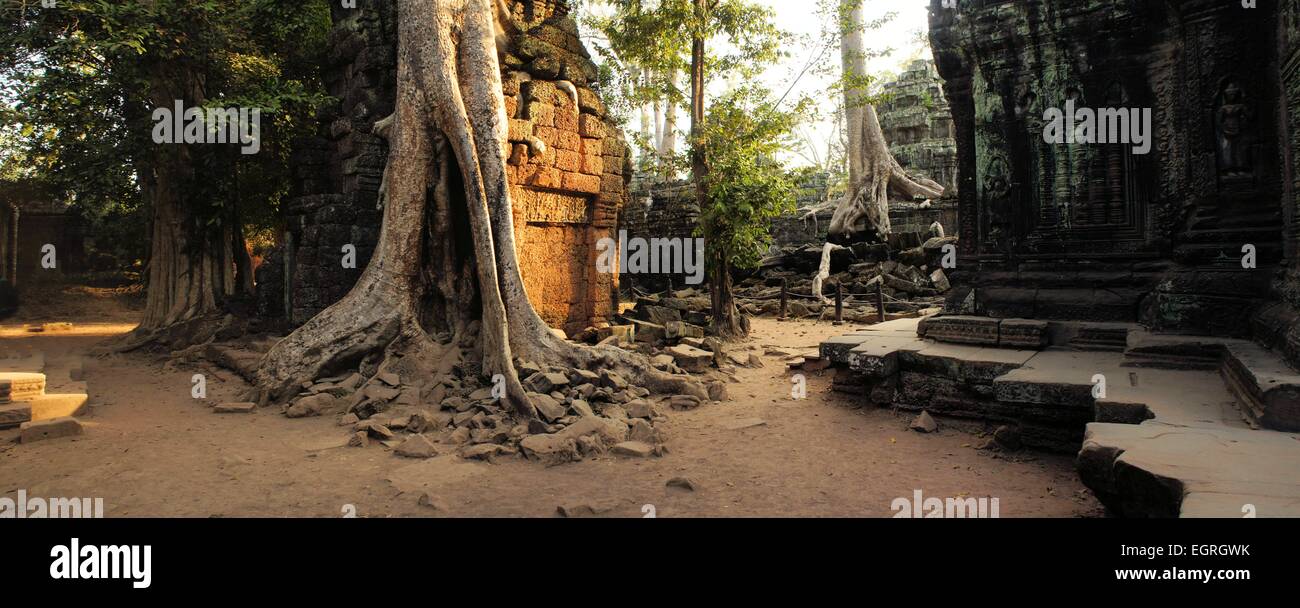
point(582, 413)
point(907, 272)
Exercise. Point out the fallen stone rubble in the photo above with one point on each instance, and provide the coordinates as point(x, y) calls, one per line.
point(583, 413)
point(907, 271)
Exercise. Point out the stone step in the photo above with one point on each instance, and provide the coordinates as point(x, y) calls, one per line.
point(43, 407)
point(1267, 386)
point(14, 414)
point(1269, 390)
point(1165, 470)
point(23, 385)
point(1108, 337)
point(59, 405)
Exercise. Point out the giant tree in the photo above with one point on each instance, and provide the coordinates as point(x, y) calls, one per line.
point(443, 289)
point(89, 76)
point(724, 38)
point(873, 172)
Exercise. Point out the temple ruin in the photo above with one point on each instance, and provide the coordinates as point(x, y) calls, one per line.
point(568, 169)
point(1107, 301)
point(917, 123)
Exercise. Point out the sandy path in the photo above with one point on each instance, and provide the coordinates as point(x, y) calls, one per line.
point(151, 450)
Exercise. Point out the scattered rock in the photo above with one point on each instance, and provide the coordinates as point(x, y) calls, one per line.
point(580, 510)
point(691, 359)
point(417, 446)
point(348, 420)
point(235, 408)
point(638, 408)
point(563, 445)
point(485, 451)
point(459, 436)
point(641, 430)
point(381, 393)
point(717, 391)
point(924, 423)
point(612, 380)
point(581, 408)
point(360, 439)
point(423, 421)
point(547, 407)
point(685, 402)
point(634, 449)
point(319, 404)
point(545, 383)
point(744, 423)
point(683, 483)
point(615, 412)
point(375, 429)
point(390, 379)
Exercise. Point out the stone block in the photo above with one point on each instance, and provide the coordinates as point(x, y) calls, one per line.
point(963, 330)
point(14, 414)
point(1022, 333)
point(53, 428)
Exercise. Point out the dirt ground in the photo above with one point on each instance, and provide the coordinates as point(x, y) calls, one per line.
point(151, 450)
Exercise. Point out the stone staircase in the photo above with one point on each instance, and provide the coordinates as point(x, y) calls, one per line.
point(1180, 430)
point(33, 389)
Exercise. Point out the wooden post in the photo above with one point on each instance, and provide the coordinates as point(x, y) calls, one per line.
point(784, 296)
point(289, 266)
point(880, 298)
point(839, 303)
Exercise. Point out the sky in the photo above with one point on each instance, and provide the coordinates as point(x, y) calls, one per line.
point(800, 17)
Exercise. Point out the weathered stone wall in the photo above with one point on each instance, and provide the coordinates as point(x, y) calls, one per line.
point(566, 167)
point(662, 211)
point(1094, 231)
point(918, 124)
point(1278, 324)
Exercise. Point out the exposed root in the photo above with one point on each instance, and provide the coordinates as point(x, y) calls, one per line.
point(333, 341)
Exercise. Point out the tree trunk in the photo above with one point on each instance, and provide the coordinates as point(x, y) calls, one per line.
point(445, 264)
point(668, 143)
point(190, 263)
point(873, 172)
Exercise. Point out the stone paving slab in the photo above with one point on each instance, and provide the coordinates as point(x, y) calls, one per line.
point(1152, 468)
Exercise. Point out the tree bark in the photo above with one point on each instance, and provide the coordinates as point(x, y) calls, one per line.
point(668, 142)
point(873, 171)
point(449, 131)
point(190, 262)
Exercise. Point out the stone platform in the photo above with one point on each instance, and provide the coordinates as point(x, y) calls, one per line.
point(1179, 429)
point(32, 389)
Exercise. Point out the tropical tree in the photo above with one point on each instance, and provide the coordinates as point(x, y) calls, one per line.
point(873, 172)
point(445, 265)
point(724, 38)
point(747, 186)
point(88, 76)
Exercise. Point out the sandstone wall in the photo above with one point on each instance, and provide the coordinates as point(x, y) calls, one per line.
point(1278, 324)
point(566, 195)
point(1094, 231)
point(918, 124)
